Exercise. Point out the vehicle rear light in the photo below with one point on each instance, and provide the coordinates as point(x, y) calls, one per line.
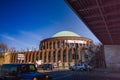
point(46, 76)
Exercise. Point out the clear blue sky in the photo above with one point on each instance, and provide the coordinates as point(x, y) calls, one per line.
point(24, 23)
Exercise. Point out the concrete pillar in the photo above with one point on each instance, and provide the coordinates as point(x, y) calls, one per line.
point(56, 56)
point(28, 56)
point(79, 53)
point(35, 54)
point(38, 54)
point(67, 55)
point(112, 56)
point(43, 52)
point(51, 56)
point(56, 45)
point(52, 44)
point(48, 44)
point(16, 56)
point(13, 57)
point(59, 43)
point(31, 57)
point(25, 55)
point(47, 56)
point(45, 45)
point(61, 55)
point(73, 53)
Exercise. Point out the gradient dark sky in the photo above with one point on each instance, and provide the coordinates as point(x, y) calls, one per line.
point(24, 23)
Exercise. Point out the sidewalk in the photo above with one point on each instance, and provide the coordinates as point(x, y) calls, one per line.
point(108, 73)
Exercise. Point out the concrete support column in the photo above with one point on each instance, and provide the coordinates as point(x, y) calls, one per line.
point(66, 54)
point(79, 53)
point(52, 44)
point(46, 56)
point(49, 45)
point(35, 54)
point(16, 58)
point(28, 54)
point(86, 54)
point(73, 53)
point(13, 57)
point(45, 45)
point(51, 56)
point(61, 55)
point(59, 44)
point(31, 56)
point(25, 55)
point(56, 45)
point(43, 52)
point(112, 56)
point(56, 56)
point(38, 52)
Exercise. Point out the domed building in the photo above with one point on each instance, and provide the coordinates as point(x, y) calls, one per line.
point(65, 48)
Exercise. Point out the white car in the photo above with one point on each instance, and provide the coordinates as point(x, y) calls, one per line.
point(81, 67)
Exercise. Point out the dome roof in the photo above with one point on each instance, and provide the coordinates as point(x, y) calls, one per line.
point(65, 33)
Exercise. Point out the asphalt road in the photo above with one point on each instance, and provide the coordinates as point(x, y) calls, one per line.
point(78, 75)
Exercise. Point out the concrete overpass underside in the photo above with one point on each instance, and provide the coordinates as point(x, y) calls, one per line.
point(102, 17)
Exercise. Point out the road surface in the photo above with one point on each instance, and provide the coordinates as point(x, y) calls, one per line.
point(78, 75)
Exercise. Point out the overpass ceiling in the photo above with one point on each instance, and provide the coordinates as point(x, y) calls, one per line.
point(102, 17)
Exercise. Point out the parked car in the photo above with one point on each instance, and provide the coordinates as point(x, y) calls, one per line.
point(81, 67)
point(47, 66)
point(21, 72)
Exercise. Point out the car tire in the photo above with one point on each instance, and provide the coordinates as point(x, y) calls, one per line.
point(1, 79)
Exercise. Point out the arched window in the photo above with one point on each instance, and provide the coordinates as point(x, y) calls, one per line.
point(54, 45)
point(62, 44)
point(48, 56)
point(29, 57)
point(58, 55)
point(70, 56)
point(58, 44)
point(82, 55)
point(50, 45)
point(40, 55)
point(64, 56)
point(54, 56)
point(36, 56)
point(45, 57)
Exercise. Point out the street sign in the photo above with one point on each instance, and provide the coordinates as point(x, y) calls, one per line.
point(21, 56)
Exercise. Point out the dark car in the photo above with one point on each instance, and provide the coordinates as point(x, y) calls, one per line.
point(21, 72)
point(47, 66)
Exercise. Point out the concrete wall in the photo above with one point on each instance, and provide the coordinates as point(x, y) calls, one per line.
point(112, 56)
point(5, 58)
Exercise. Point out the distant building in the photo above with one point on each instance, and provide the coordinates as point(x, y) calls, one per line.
point(63, 49)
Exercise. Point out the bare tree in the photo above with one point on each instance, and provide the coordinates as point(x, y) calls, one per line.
point(3, 47)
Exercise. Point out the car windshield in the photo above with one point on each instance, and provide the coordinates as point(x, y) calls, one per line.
point(27, 68)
